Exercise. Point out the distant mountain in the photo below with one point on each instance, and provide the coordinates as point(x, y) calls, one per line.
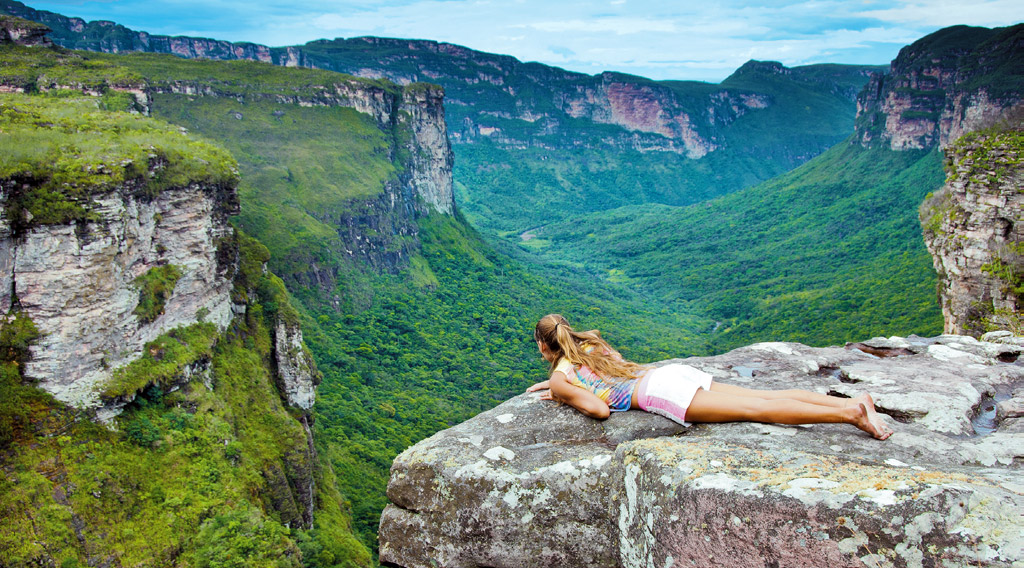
point(533, 141)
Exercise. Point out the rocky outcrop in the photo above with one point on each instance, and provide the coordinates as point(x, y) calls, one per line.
point(530, 483)
point(942, 86)
point(78, 282)
point(297, 375)
point(20, 31)
point(972, 228)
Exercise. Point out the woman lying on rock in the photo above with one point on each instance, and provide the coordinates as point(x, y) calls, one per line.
point(587, 374)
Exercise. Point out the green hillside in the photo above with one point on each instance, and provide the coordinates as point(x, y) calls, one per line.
point(827, 253)
point(189, 474)
point(302, 168)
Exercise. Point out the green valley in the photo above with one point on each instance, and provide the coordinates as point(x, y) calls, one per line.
point(405, 351)
point(828, 253)
point(741, 212)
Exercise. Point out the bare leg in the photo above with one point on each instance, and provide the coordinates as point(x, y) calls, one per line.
point(812, 398)
point(792, 394)
point(718, 406)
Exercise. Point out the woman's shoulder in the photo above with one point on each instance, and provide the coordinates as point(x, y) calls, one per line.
point(564, 366)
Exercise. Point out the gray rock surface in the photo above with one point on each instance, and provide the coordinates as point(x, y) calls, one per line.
point(77, 282)
point(297, 376)
point(531, 483)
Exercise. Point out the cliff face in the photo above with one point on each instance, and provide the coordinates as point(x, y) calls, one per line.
point(78, 281)
point(520, 105)
point(972, 227)
point(531, 483)
point(20, 31)
point(430, 165)
point(942, 86)
point(114, 257)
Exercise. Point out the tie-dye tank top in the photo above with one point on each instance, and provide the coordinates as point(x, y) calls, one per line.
point(618, 395)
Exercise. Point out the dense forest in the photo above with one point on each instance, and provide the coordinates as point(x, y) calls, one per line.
point(828, 253)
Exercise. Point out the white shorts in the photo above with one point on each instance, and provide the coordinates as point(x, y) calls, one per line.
point(669, 390)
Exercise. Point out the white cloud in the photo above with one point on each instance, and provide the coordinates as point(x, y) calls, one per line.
point(943, 13)
point(618, 26)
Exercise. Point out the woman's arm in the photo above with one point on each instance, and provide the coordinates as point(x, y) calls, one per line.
point(583, 400)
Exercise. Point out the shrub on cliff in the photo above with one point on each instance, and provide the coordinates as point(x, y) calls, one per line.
point(17, 333)
point(155, 287)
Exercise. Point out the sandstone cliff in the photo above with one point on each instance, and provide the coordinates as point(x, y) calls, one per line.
point(106, 256)
point(941, 87)
point(78, 281)
point(972, 227)
point(532, 484)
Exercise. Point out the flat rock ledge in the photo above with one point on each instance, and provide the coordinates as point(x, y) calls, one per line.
point(531, 483)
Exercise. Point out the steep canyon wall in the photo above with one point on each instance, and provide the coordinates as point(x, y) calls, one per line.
point(972, 227)
point(942, 86)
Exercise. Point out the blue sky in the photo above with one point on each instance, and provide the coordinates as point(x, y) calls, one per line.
point(658, 39)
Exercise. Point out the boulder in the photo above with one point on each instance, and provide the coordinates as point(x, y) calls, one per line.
point(532, 483)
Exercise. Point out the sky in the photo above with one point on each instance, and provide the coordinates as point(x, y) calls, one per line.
point(660, 39)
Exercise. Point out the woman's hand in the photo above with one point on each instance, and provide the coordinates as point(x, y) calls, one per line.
point(539, 386)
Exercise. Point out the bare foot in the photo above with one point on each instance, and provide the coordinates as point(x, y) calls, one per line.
point(876, 419)
point(861, 420)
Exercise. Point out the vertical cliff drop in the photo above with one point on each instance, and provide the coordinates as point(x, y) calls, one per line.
point(973, 229)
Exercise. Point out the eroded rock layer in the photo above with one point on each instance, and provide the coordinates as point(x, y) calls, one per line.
point(530, 483)
point(942, 86)
point(972, 228)
point(78, 282)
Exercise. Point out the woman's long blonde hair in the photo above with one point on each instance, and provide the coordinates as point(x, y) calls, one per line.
point(557, 335)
